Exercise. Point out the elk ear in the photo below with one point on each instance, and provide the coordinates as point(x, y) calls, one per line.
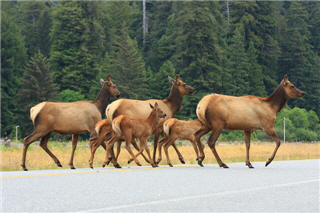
point(170, 79)
point(177, 77)
point(109, 78)
point(151, 106)
point(285, 79)
point(156, 105)
point(101, 81)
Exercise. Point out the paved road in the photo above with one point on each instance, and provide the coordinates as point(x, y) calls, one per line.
point(284, 186)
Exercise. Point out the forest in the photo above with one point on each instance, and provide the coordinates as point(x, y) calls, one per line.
point(58, 51)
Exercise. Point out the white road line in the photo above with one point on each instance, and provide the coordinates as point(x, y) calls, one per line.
point(200, 196)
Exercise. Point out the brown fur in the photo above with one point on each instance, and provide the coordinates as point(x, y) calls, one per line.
point(67, 118)
point(141, 109)
point(175, 129)
point(104, 131)
point(127, 128)
point(217, 112)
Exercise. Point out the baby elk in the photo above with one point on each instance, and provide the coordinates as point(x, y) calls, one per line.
point(175, 129)
point(126, 128)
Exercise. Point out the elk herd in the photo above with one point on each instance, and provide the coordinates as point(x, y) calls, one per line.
point(131, 120)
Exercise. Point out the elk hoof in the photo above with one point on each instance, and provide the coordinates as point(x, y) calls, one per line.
point(224, 166)
point(91, 167)
point(182, 161)
point(59, 165)
point(170, 164)
point(73, 167)
point(117, 166)
point(103, 165)
point(267, 163)
point(25, 169)
point(108, 163)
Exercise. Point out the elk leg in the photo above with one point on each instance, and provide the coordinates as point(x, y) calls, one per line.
point(94, 144)
point(202, 131)
point(274, 136)
point(155, 143)
point(135, 145)
point(74, 146)
point(110, 152)
point(212, 144)
point(178, 153)
point(26, 142)
point(161, 142)
point(194, 144)
point(165, 147)
point(44, 145)
point(127, 146)
point(144, 144)
point(247, 141)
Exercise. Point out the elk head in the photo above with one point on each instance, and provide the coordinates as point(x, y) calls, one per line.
point(183, 88)
point(291, 90)
point(160, 113)
point(111, 87)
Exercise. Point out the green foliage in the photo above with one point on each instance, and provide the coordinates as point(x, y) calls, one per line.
point(36, 86)
point(245, 50)
point(68, 95)
point(13, 56)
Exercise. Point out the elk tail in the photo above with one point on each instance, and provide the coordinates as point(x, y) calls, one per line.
point(116, 126)
point(166, 127)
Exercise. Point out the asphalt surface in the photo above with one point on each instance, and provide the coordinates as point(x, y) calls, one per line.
point(283, 186)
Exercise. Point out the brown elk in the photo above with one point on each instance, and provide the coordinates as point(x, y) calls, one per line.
point(68, 118)
point(174, 129)
point(141, 109)
point(127, 128)
point(104, 131)
point(217, 112)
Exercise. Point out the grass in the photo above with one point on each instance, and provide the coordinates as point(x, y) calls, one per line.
point(38, 159)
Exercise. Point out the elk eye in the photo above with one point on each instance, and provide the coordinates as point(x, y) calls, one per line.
point(292, 87)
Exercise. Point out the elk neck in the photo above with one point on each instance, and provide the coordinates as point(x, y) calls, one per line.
point(102, 100)
point(153, 119)
point(174, 100)
point(278, 99)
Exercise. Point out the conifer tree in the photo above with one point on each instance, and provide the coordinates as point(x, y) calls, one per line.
point(13, 56)
point(36, 86)
point(127, 67)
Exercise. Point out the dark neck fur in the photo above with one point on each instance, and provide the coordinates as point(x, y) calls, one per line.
point(278, 98)
point(102, 100)
point(175, 99)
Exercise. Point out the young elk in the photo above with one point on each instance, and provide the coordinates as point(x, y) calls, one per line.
point(247, 113)
point(126, 128)
point(104, 131)
point(67, 118)
point(175, 129)
point(140, 109)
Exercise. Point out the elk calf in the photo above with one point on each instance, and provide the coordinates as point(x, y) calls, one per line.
point(104, 131)
point(175, 129)
point(127, 128)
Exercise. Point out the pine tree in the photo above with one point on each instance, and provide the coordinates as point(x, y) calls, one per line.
point(159, 84)
point(255, 76)
point(74, 59)
point(238, 66)
point(127, 67)
point(36, 86)
point(13, 56)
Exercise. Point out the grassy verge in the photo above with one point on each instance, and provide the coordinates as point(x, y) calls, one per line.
point(38, 159)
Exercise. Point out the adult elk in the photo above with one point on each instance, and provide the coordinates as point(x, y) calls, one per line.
point(127, 128)
point(67, 118)
point(217, 112)
point(174, 129)
point(140, 109)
